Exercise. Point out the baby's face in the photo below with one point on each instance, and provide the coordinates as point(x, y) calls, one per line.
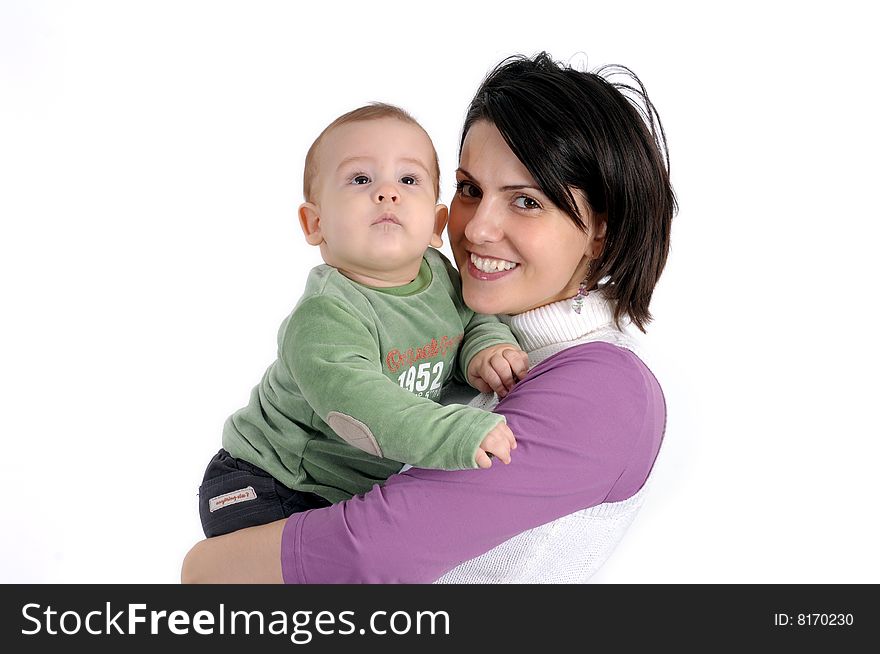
point(374, 211)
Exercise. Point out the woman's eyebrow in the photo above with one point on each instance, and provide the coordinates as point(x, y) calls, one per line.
point(507, 187)
point(519, 187)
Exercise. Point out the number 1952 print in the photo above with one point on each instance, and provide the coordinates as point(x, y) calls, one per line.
point(424, 380)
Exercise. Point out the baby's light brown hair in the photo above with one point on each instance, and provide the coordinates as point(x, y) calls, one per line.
point(372, 111)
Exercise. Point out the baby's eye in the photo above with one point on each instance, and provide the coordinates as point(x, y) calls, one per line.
point(525, 202)
point(360, 179)
point(409, 180)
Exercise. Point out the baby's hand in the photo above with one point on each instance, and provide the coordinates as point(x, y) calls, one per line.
point(497, 368)
point(498, 442)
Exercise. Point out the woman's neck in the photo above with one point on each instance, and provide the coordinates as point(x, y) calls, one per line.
point(558, 322)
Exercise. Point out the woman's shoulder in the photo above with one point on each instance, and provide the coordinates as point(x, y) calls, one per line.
point(593, 356)
point(592, 374)
point(601, 405)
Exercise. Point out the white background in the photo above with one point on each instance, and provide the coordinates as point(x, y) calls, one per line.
point(150, 169)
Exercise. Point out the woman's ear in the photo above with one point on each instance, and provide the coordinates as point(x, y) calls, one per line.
point(441, 215)
point(310, 222)
point(597, 239)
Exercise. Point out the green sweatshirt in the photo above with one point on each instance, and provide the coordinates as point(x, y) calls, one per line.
point(352, 393)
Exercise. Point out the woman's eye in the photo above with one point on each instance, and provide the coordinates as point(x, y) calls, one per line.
point(467, 190)
point(409, 180)
point(360, 179)
point(525, 202)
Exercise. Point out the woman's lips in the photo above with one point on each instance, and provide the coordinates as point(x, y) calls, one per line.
point(482, 275)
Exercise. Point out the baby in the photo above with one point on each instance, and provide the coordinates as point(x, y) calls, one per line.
point(366, 352)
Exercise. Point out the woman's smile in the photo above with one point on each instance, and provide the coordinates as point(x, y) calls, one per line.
point(485, 267)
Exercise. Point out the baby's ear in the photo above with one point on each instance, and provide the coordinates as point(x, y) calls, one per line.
point(310, 222)
point(441, 215)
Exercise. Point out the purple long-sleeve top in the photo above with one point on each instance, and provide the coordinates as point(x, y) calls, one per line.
point(588, 423)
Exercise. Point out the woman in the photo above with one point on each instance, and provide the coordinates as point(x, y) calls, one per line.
point(561, 221)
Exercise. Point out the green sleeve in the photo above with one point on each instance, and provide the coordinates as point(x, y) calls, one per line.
point(332, 353)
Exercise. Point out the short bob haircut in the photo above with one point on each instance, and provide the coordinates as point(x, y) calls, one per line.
point(578, 130)
point(372, 111)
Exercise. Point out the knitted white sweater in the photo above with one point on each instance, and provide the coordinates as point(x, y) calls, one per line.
point(569, 549)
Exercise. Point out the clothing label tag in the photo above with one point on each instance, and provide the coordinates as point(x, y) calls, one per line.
point(236, 496)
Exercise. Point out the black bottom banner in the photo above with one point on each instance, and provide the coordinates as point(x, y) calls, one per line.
point(50, 618)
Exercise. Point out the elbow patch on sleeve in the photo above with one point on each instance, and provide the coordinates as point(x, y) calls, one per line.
point(354, 432)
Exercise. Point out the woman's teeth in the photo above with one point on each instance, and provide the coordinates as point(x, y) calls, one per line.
point(491, 265)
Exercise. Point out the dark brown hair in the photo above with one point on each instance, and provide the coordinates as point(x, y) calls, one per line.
point(372, 111)
point(578, 130)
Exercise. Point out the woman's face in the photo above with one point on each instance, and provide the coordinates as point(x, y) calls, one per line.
point(515, 249)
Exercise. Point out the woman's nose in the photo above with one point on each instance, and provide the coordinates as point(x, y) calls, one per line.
point(386, 192)
point(484, 225)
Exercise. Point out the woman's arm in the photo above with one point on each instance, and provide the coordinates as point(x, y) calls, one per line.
point(588, 423)
point(248, 556)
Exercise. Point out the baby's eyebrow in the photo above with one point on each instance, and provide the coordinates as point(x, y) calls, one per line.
point(357, 158)
point(417, 162)
point(350, 160)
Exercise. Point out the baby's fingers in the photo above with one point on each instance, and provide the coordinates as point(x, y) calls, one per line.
point(501, 366)
point(508, 434)
point(502, 435)
point(491, 377)
point(499, 442)
point(518, 362)
point(501, 450)
point(479, 384)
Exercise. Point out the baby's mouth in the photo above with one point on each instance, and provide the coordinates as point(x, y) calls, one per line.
point(386, 217)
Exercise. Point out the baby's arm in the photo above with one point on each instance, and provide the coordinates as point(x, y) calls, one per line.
point(332, 353)
point(497, 368)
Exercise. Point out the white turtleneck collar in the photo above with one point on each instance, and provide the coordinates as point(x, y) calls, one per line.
point(558, 323)
point(554, 327)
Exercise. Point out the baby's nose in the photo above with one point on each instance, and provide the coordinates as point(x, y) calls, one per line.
point(387, 193)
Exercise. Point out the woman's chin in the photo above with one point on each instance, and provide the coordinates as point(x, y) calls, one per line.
point(483, 302)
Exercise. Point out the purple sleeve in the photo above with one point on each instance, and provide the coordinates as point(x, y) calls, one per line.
point(588, 423)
